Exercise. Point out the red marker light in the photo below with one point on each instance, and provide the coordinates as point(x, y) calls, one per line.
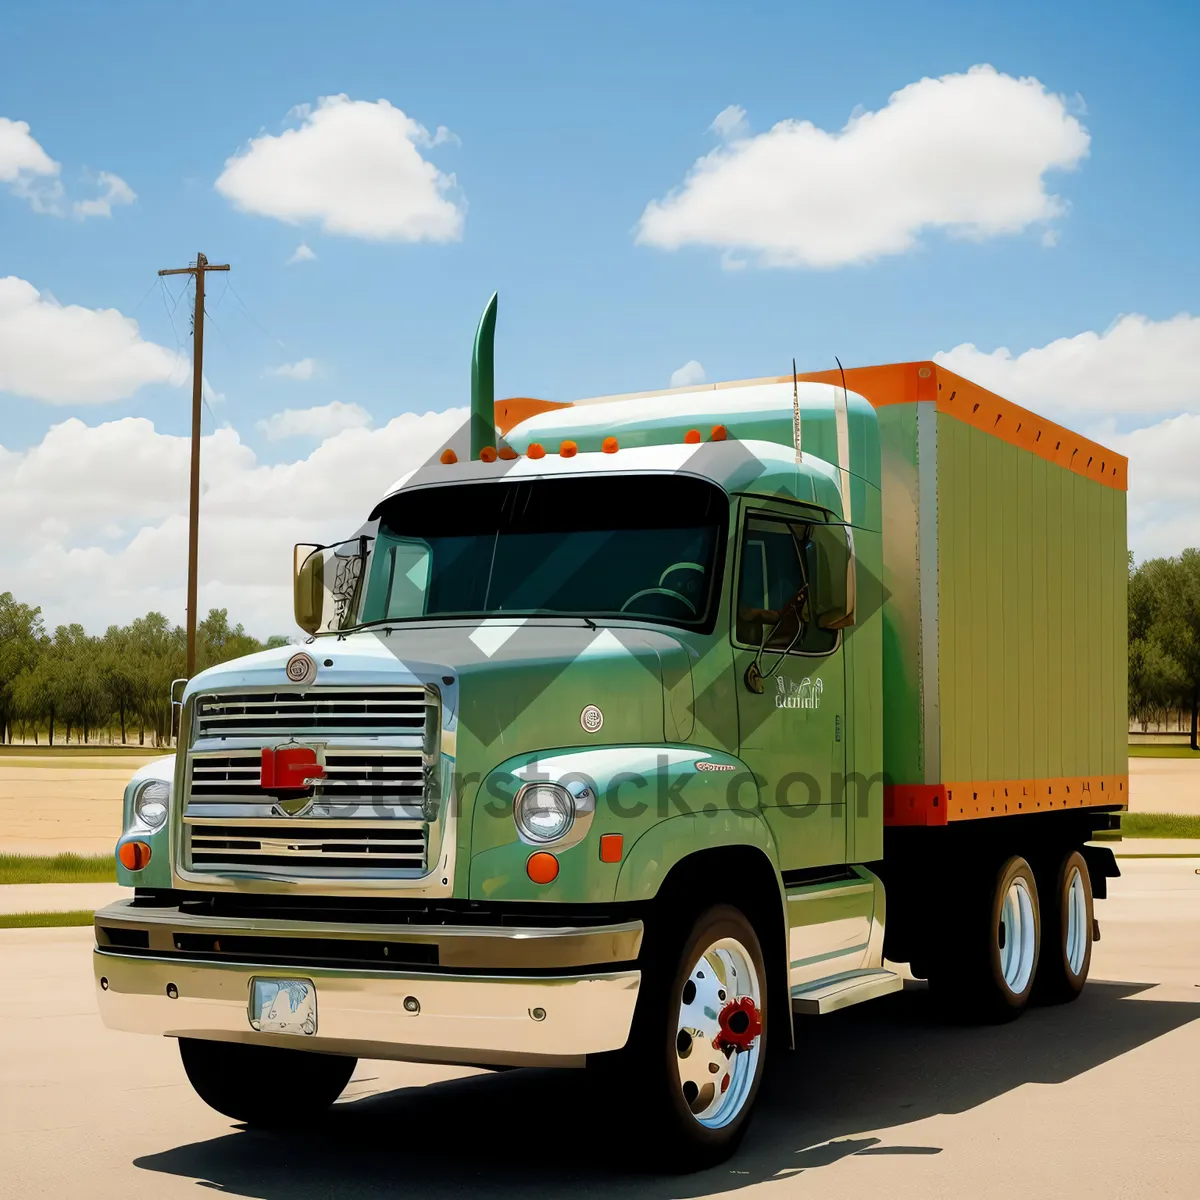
point(542, 867)
point(612, 846)
point(449, 457)
point(609, 445)
point(134, 855)
point(692, 437)
point(568, 449)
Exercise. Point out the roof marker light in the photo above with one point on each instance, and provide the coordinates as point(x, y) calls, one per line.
point(536, 450)
point(449, 457)
point(487, 454)
point(568, 449)
point(609, 445)
point(507, 453)
point(719, 433)
point(692, 437)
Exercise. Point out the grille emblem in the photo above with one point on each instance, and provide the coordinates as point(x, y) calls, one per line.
point(301, 668)
point(289, 772)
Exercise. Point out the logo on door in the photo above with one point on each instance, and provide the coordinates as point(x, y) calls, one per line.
point(805, 694)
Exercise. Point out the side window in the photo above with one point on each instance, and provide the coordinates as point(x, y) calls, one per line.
point(406, 570)
point(783, 564)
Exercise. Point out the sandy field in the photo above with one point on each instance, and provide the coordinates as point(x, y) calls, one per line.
point(48, 805)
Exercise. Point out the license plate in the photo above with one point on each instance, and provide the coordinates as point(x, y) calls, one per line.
point(283, 1006)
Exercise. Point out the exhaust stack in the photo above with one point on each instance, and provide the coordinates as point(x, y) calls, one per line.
point(483, 382)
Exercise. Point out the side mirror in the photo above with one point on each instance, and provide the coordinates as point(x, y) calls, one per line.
point(833, 576)
point(308, 566)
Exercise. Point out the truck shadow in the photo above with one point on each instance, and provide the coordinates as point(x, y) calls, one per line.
point(878, 1068)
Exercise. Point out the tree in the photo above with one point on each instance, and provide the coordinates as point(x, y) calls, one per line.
point(22, 639)
point(1164, 637)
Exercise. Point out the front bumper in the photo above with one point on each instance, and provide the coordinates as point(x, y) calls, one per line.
point(490, 996)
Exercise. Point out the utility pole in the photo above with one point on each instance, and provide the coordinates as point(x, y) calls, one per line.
point(201, 268)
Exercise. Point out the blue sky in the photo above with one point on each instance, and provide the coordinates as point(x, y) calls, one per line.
point(567, 121)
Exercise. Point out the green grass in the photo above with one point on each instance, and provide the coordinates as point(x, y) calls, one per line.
point(1159, 825)
point(73, 749)
point(46, 920)
point(1141, 750)
point(61, 868)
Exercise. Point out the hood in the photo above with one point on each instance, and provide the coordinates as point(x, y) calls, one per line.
point(508, 685)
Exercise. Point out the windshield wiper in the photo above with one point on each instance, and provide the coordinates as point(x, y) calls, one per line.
point(588, 622)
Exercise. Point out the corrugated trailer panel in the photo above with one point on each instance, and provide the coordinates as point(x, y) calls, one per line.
point(1005, 620)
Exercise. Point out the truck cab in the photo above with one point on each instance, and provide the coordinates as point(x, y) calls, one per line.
point(582, 765)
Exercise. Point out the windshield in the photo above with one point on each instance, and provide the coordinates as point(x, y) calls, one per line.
point(616, 546)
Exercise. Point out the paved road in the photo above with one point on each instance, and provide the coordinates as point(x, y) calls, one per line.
point(1096, 1098)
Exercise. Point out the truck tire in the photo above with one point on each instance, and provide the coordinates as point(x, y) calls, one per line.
point(1066, 930)
point(690, 1074)
point(264, 1086)
point(985, 966)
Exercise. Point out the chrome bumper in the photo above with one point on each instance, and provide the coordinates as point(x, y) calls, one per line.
point(555, 1017)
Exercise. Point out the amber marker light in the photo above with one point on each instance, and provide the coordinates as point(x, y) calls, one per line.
point(612, 847)
point(487, 454)
point(134, 855)
point(719, 433)
point(542, 867)
point(536, 450)
point(507, 453)
point(448, 456)
point(609, 445)
point(568, 449)
point(692, 436)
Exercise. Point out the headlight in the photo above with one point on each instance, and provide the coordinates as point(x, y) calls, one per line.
point(543, 812)
point(150, 803)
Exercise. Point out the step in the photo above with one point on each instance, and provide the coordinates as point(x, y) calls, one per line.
point(840, 991)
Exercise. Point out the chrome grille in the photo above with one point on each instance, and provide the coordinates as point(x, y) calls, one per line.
point(369, 816)
point(318, 710)
point(296, 845)
point(351, 777)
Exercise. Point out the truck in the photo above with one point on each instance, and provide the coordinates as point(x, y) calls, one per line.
point(638, 733)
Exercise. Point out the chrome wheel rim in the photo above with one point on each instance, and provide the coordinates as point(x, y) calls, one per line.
point(1077, 930)
point(718, 1036)
point(1018, 942)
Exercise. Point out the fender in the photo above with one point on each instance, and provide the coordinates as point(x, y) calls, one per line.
point(158, 873)
point(699, 797)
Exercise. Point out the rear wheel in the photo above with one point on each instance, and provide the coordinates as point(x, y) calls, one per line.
point(1067, 930)
point(264, 1085)
point(695, 1058)
point(985, 966)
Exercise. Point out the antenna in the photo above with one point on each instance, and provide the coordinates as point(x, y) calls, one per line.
point(796, 412)
point(841, 407)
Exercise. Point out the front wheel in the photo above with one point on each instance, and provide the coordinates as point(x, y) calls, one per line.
point(264, 1086)
point(696, 1055)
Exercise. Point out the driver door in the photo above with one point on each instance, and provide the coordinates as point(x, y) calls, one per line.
point(790, 683)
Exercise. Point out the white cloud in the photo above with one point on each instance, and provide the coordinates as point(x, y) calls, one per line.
point(1103, 383)
point(73, 355)
point(690, 373)
point(302, 253)
point(61, 500)
point(730, 123)
point(1135, 366)
point(31, 173)
point(355, 167)
point(320, 422)
point(306, 368)
point(116, 191)
point(963, 153)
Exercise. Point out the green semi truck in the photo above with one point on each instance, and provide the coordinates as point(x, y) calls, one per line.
point(629, 729)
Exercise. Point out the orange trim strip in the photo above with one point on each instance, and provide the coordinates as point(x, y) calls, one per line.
point(907, 383)
point(515, 410)
point(940, 803)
